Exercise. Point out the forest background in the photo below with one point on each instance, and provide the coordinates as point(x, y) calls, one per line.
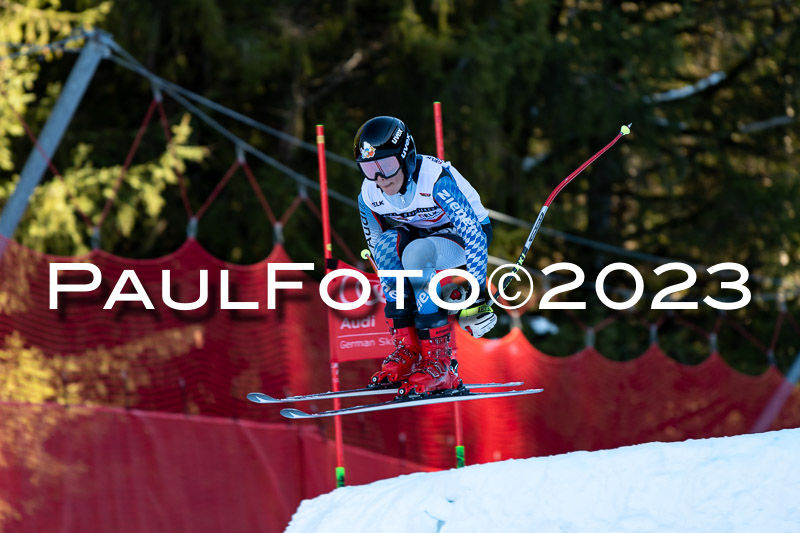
point(529, 90)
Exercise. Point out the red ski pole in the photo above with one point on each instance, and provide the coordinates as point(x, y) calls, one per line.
point(624, 130)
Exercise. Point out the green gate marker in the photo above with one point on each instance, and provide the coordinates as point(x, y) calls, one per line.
point(459, 456)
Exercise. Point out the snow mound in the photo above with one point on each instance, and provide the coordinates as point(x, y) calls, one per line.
point(742, 483)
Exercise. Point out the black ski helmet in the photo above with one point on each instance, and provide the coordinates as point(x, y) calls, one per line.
point(382, 137)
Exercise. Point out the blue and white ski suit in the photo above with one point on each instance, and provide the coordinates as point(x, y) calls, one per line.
point(442, 224)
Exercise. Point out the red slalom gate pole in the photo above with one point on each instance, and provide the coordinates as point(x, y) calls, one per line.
point(437, 122)
point(326, 240)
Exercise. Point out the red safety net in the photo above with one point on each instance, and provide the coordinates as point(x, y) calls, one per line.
point(197, 362)
point(165, 439)
point(205, 361)
point(589, 403)
point(108, 469)
point(160, 472)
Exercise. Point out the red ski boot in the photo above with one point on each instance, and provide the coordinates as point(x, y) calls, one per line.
point(402, 361)
point(437, 371)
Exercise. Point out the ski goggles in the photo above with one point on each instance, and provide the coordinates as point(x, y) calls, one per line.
point(386, 167)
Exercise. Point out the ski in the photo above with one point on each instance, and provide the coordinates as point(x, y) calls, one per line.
point(410, 401)
point(260, 397)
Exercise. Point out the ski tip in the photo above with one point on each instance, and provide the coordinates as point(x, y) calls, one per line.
point(260, 397)
point(293, 413)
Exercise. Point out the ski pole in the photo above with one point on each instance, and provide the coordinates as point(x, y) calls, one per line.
point(365, 254)
point(624, 130)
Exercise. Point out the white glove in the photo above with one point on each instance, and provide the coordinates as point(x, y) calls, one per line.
point(477, 320)
point(453, 293)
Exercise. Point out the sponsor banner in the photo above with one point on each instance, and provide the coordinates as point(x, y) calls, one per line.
point(360, 333)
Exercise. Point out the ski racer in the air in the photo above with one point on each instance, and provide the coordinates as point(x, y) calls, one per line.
point(440, 224)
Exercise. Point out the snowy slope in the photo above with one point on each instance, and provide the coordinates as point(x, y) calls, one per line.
point(743, 483)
